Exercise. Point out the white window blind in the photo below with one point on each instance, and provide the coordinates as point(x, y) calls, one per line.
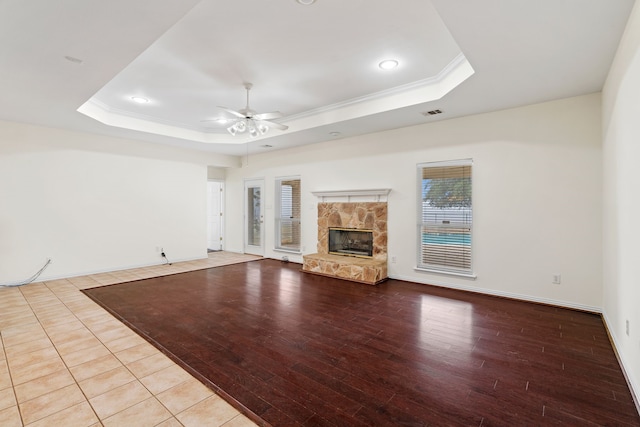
point(445, 216)
point(288, 214)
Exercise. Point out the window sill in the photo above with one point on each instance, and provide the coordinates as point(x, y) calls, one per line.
point(288, 251)
point(471, 276)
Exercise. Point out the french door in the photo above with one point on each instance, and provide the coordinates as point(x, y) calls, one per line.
point(254, 216)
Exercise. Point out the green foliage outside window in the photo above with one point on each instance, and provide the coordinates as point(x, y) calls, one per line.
point(448, 192)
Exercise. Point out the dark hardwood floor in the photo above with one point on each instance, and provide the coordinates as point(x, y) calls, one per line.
point(303, 350)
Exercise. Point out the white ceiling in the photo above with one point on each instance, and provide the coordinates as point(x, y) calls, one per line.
point(316, 64)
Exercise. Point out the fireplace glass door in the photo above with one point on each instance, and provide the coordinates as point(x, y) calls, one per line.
point(351, 242)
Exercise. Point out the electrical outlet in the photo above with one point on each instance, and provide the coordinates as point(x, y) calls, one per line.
point(627, 327)
point(393, 260)
point(557, 279)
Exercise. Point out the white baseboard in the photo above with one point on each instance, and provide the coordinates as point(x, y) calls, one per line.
point(634, 388)
point(112, 269)
point(523, 297)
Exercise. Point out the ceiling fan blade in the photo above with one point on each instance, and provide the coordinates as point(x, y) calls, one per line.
point(217, 124)
point(230, 111)
point(274, 125)
point(268, 116)
point(219, 121)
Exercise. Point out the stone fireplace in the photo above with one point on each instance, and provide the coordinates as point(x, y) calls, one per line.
point(358, 249)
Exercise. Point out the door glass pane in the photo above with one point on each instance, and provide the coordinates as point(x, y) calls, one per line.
point(288, 214)
point(254, 223)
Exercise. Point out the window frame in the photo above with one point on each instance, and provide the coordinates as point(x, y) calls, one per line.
point(467, 272)
point(280, 220)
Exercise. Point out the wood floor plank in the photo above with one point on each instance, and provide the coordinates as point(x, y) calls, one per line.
point(292, 349)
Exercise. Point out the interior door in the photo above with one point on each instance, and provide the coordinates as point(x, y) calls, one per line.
point(254, 216)
point(214, 215)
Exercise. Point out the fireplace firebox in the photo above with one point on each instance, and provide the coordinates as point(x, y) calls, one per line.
point(351, 242)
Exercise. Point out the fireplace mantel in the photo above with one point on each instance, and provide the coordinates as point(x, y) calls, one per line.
point(376, 194)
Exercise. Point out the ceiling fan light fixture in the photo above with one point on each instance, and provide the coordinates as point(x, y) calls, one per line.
point(306, 2)
point(247, 119)
point(248, 125)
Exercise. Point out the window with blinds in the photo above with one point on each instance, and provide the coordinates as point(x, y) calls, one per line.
point(445, 216)
point(288, 214)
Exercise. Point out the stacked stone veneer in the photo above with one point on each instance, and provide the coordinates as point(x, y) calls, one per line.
point(359, 216)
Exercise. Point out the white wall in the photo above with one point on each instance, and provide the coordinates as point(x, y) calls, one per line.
point(621, 230)
point(216, 174)
point(537, 195)
point(93, 203)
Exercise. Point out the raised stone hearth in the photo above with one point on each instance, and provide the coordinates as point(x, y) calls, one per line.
point(361, 270)
point(357, 216)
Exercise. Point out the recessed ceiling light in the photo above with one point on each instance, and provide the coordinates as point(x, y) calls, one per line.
point(266, 146)
point(139, 99)
point(73, 59)
point(388, 64)
point(306, 2)
point(222, 121)
point(334, 134)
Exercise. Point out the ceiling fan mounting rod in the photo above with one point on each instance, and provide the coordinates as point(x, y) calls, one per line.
point(248, 87)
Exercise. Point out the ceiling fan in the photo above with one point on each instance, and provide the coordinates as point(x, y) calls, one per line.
point(248, 120)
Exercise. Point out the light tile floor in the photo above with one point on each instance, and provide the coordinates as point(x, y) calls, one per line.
point(66, 361)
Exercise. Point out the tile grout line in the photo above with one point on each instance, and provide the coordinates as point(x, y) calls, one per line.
point(53, 295)
point(136, 379)
point(59, 355)
point(12, 386)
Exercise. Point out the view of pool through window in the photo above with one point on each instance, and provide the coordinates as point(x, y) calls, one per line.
point(446, 239)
